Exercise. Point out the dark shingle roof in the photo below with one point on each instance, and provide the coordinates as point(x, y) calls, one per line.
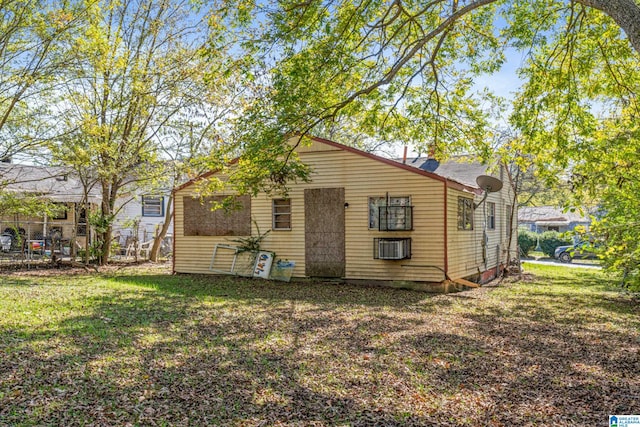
point(458, 169)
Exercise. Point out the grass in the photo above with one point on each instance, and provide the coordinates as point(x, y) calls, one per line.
point(147, 348)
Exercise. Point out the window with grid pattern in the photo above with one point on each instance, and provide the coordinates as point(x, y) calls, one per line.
point(281, 209)
point(491, 216)
point(390, 213)
point(152, 206)
point(465, 213)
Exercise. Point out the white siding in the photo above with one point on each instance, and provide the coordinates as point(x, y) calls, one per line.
point(148, 225)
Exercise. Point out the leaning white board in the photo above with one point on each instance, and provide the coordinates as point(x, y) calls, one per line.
point(262, 268)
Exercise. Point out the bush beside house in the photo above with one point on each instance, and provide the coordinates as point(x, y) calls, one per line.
point(527, 241)
point(550, 240)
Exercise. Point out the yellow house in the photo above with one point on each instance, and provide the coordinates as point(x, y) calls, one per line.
point(360, 217)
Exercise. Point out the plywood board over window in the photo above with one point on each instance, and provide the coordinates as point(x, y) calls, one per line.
point(202, 221)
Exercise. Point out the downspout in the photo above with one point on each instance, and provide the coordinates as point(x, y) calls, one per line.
point(446, 228)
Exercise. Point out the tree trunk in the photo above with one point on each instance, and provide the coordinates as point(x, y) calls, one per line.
point(105, 235)
point(157, 242)
point(106, 245)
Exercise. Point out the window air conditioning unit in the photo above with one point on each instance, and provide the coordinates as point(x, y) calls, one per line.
point(393, 249)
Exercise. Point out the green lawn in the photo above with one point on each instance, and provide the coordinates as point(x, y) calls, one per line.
point(148, 348)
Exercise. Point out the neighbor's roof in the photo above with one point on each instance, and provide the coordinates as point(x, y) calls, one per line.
point(549, 215)
point(55, 183)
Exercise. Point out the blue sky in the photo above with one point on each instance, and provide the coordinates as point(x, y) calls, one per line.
point(505, 82)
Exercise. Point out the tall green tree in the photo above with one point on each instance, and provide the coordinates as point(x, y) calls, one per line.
point(195, 138)
point(609, 170)
point(122, 88)
point(404, 70)
point(33, 50)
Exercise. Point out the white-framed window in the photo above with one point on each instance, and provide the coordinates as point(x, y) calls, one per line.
point(390, 213)
point(281, 209)
point(153, 206)
point(465, 213)
point(491, 216)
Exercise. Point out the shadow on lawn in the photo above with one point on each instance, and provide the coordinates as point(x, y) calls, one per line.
point(148, 357)
point(557, 369)
point(312, 291)
point(195, 351)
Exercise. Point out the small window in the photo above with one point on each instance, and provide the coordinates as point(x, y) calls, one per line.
point(390, 213)
point(491, 216)
point(465, 213)
point(82, 221)
point(281, 209)
point(507, 221)
point(152, 206)
point(374, 205)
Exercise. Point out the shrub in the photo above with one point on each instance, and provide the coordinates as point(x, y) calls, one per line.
point(550, 240)
point(527, 241)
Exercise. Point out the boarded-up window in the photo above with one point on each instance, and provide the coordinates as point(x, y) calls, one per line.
point(200, 220)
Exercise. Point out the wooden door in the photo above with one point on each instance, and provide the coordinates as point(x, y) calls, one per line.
point(324, 232)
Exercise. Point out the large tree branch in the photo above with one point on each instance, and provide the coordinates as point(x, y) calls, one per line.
point(395, 69)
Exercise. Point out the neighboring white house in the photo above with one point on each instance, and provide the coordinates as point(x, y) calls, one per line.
point(141, 215)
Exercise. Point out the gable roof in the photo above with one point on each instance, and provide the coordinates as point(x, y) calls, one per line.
point(449, 181)
point(55, 183)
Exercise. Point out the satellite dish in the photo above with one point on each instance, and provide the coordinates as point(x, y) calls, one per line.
point(489, 184)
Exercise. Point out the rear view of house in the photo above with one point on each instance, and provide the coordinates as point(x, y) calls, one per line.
point(360, 217)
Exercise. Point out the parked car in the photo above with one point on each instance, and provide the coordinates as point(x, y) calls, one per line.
point(5, 242)
point(582, 250)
